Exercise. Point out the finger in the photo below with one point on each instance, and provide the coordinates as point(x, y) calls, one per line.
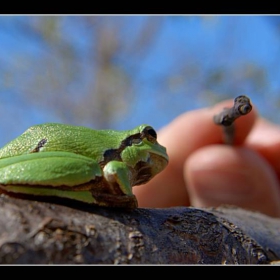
point(265, 139)
point(219, 174)
point(196, 129)
point(181, 137)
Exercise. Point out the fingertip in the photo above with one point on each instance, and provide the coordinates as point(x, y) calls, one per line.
point(217, 175)
point(265, 139)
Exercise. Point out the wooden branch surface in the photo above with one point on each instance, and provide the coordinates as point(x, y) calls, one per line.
point(37, 232)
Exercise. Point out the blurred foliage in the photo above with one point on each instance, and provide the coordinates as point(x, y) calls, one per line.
point(91, 70)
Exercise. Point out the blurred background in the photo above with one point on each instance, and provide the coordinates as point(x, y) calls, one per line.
point(120, 71)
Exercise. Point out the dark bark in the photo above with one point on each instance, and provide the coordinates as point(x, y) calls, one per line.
point(37, 232)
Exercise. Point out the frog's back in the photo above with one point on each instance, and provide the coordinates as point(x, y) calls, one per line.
point(61, 137)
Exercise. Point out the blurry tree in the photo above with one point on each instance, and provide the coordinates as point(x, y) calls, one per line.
point(88, 70)
point(79, 74)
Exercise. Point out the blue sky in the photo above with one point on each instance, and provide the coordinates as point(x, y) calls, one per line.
point(220, 41)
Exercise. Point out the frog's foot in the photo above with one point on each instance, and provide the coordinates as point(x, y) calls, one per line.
point(112, 200)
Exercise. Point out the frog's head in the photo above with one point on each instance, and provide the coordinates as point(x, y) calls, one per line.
point(144, 154)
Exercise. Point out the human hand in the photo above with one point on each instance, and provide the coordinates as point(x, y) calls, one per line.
point(203, 172)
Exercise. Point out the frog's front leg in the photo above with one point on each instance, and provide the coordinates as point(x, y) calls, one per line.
point(118, 175)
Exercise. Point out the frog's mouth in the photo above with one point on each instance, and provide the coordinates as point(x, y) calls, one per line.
point(147, 170)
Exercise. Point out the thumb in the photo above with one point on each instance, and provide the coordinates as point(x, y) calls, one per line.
point(220, 174)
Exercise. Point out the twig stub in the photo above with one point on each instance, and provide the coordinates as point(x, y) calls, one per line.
point(226, 118)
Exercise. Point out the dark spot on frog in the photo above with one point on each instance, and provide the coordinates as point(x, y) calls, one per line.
point(40, 144)
point(111, 154)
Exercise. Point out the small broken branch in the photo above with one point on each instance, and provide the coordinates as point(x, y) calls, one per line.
point(226, 118)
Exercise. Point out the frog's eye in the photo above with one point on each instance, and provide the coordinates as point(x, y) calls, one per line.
point(148, 133)
point(151, 134)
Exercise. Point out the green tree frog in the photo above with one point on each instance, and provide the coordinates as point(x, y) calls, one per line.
point(93, 166)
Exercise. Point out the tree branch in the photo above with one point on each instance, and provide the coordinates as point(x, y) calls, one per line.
point(38, 232)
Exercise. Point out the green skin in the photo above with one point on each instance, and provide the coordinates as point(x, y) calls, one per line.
point(92, 166)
